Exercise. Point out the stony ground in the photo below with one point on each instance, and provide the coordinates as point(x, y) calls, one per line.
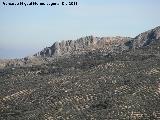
point(91, 86)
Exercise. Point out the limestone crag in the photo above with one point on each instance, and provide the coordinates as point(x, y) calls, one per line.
point(147, 37)
point(80, 45)
point(90, 43)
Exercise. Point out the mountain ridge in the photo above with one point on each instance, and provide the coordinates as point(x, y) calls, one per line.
point(86, 44)
point(90, 43)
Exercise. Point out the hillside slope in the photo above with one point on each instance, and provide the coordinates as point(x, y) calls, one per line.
point(94, 85)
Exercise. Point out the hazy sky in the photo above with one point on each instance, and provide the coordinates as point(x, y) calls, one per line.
point(27, 30)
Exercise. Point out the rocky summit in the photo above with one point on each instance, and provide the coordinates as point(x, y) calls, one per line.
point(90, 43)
point(91, 78)
point(81, 45)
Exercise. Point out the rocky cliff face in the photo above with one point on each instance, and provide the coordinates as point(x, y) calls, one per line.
point(91, 43)
point(147, 37)
point(81, 45)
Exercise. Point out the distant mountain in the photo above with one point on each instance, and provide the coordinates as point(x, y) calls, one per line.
point(90, 43)
point(147, 37)
point(84, 45)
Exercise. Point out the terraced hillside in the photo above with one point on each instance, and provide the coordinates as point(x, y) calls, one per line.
point(93, 85)
point(89, 86)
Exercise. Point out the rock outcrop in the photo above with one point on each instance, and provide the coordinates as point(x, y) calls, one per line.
point(90, 43)
point(81, 45)
point(147, 37)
